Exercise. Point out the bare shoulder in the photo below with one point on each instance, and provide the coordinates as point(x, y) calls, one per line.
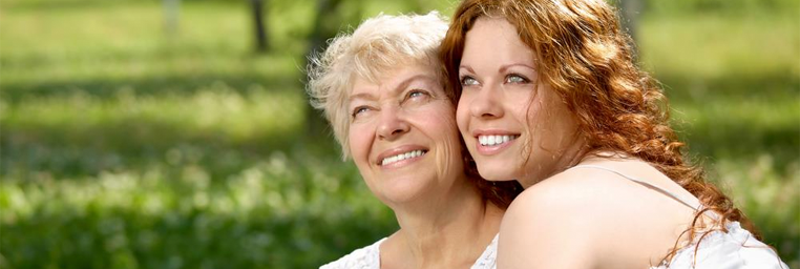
point(585, 218)
point(574, 197)
point(588, 218)
point(557, 223)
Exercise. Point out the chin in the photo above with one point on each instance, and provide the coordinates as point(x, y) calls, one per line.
point(495, 172)
point(401, 191)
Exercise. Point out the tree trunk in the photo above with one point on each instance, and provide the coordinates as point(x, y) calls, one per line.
point(258, 20)
point(319, 35)
point(315, 122)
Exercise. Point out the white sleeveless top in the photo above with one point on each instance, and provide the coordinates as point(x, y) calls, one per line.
point(369, 257)
point(734, 249)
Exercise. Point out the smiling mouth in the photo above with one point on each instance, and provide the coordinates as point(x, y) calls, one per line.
point(495, 140)
point(403, 156)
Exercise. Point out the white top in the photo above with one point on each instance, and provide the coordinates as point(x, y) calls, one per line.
point(369, 257)
point(734, 249)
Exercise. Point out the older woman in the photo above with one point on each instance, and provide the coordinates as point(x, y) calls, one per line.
point(550, 97)
point(382, 90)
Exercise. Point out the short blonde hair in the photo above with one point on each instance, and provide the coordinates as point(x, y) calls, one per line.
point(378, 45)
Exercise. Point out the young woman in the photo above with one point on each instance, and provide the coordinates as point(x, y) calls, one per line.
point(382, 90)
point(550, 97)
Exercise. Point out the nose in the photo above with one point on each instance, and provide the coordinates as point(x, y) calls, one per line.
point(486, 103)
point(392, 125)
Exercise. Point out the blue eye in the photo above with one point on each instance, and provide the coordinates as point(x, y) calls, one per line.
point(413, 94)
point(516, 79)
point(359, 110)
point(416, 94)
point(468, 81)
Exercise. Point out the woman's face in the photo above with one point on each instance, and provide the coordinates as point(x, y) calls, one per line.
point(514, 126)
point(403, 135)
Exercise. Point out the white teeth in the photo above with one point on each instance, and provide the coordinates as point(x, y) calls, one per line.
point(402, 156)
point(491, 140)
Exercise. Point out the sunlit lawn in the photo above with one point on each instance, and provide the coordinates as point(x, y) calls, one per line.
point(125, 147)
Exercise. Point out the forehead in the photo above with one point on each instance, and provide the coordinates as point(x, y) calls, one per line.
point(495, 39)
point(392, 78)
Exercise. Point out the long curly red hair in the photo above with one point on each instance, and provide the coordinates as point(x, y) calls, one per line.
point(586, 58)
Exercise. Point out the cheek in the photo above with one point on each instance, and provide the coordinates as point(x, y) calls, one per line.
point(359, 143)
point(439, 124)
point(449, 148)
point(439, 120)
point(550, 120)
point(462, 115)
point(531, 111)
point(526, 112)
point(566, 123)
point(537, 113)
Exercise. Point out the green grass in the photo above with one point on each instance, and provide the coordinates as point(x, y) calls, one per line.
point(278, 212)
point(125, 147)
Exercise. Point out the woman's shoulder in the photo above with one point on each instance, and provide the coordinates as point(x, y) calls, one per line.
point(572, 195)
point(364, 258)
point(585, 211)
point(555, 223)
point(601, 194)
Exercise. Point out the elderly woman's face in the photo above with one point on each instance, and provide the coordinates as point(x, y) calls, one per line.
point(513, 126)
point(403, 135)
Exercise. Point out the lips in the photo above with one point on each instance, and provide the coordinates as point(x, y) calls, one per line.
point(399, 155)
point(490, 142)
point(402, 156)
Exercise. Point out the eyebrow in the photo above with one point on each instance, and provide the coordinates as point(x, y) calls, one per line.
point(467, 67)
point(403, 84)
point(506, 67)
point(362, 95)
point(502, 68)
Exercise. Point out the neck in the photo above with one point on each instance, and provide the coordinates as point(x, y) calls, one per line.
point(441, 232)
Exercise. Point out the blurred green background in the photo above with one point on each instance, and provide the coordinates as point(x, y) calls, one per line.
point(130, 143)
